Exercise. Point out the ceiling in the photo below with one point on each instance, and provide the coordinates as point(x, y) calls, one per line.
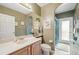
point(42, 4)
point(16, 6)
point(65, 7)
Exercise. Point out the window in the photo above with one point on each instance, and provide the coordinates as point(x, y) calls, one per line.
point(65, 30)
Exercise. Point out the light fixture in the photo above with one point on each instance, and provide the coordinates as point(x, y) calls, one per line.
point(27, 5)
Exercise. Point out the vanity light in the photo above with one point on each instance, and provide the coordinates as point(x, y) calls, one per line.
point(27, 5)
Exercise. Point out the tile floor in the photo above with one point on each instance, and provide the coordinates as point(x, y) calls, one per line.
point(62, 49)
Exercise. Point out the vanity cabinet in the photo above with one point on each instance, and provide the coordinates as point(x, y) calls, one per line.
point(23, 51)
point(33, 49)
point(36, 48)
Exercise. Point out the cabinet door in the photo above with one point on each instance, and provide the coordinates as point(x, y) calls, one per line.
point(24, 51)
point(28, 50)
point(36, 48)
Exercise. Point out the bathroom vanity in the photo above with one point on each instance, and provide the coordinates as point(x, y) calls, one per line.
point(33, 49)
point(27, 46)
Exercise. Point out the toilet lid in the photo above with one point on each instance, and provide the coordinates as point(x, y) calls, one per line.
point(45, 46)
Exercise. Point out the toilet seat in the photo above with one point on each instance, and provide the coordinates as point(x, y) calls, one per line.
point(46, 49)
point(45, 46)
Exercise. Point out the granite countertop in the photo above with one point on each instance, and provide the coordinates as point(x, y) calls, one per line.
point(12, 46)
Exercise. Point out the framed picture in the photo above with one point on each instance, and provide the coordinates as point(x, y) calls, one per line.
point(47, 24)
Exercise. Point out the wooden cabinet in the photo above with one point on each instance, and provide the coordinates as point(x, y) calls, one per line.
point(29, 51)
point(36, 48)
point(23, 51)
point(33, 49)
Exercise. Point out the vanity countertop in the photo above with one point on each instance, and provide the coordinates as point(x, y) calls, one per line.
point(9, 47)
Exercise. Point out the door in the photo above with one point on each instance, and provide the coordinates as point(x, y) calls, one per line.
point(7, 27)
point(36, 48)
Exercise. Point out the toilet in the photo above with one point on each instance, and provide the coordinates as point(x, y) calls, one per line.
point(46, 49)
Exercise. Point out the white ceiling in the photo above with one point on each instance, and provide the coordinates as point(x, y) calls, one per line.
point(65, 7)
point(17, 7)
point(42, 4)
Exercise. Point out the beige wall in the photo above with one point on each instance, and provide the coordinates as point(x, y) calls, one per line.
point(36, 9)
point(77, 10)
point(47, 12)
point(19, 30)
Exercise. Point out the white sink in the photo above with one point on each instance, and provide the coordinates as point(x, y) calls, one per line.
point(23, 39)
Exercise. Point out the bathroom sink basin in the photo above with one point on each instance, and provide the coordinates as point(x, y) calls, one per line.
point(24, 39)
